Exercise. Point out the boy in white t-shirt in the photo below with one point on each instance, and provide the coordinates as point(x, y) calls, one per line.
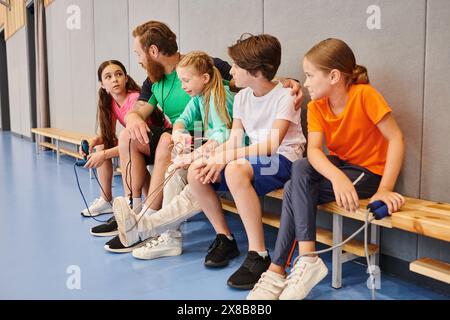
point(264, 111)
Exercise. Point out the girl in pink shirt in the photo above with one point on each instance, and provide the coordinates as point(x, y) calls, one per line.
point(117, 95)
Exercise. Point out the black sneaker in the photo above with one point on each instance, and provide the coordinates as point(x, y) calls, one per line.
point(114, 245)
point(221, 251)
point(107, 229)
point(250, 271)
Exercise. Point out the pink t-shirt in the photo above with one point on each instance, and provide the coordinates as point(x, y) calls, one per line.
point(119, 113)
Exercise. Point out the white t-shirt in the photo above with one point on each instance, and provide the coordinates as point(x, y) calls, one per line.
point(258, 114)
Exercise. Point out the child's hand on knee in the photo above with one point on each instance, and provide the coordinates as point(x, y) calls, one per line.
point(345, 193)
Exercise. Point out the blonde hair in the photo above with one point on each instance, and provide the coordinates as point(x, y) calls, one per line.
point(332, 54)
point(203, 63)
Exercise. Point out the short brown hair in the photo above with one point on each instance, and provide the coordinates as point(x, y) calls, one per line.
point(158, 34)
point(257, 53)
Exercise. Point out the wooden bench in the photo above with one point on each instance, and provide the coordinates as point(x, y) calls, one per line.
point(56, 136)
point(423, 217)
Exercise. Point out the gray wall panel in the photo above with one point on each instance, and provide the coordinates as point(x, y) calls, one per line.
point(59, 73)
point(213, 25)
point(389, 55)
point(19, 83)
point(433, 248)
point(111, 31)
point(436, 144)
point(399, 244)
point(141, 11)
point(72, 71)
point(84, 78)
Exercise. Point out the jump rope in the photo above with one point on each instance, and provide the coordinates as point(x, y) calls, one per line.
point(178, 148)
point(378, 208)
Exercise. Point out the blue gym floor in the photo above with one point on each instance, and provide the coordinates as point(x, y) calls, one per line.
point(42, 233)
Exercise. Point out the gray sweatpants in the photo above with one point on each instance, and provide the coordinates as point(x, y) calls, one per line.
point(306, 189)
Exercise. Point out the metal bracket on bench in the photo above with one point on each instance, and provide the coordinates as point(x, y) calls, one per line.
point(336, 277)
point(375, 239)
point(340, 258)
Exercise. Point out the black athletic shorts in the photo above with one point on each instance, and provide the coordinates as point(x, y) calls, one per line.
point(154, 135)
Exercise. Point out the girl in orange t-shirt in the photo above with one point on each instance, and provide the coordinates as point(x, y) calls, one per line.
point(366, 151)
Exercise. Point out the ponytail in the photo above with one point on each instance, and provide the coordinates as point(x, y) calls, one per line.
point(332, 54)
point(104, 119)
point(360, 75)
point(217, 89)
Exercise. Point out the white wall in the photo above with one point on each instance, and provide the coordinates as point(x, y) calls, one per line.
point(18, 81)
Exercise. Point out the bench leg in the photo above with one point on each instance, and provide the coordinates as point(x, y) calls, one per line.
point(57, 152)
point(36, 140)
point(336, 281)
point(375, 239)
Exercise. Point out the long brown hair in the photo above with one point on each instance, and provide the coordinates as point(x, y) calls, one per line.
point(332, 54)
point(104, 109)
point(203, 63)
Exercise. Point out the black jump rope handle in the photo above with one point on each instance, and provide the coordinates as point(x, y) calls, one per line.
point(379, 209)
point(85, 148)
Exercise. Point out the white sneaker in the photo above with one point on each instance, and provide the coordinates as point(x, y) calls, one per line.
point(268, 287)
point(127, 222)
point(167, 244)
point(97, 207)
point(303, 277)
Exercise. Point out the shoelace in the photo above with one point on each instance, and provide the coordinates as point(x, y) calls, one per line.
point(264, 283)
point(213, 245)
point(249, 262)
point(165, 237)
point(296, 272)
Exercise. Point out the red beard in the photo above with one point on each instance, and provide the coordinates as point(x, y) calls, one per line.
point(155, 70)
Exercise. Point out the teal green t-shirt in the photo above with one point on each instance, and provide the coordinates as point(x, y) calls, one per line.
point(217, 129)
point(170, 96)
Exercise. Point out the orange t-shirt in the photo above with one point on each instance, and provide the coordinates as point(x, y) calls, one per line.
point(353, 135)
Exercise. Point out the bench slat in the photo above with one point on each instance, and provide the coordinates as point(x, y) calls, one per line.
point(48, 145)
point(71, 153)
point(426, 224)
point(432, 268)
point(45, 132)
point(360, 214)
point(323, 236)
point(63, 135)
